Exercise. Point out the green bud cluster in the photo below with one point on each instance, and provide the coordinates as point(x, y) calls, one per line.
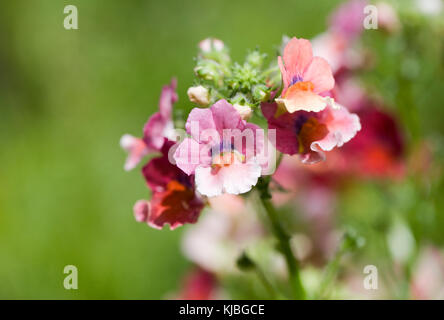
point(245, 84)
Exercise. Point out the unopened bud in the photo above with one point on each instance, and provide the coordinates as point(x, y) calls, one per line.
point(210, 44)
point(260, 92)
point(199, 95)
point(244, 111)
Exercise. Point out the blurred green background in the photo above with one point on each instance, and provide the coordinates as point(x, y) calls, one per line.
point(66, 97)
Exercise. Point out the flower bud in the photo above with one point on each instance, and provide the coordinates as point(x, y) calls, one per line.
point(210, 44)
point(244, 111)
point(256, 59)
point(260, 92)
point(199, 95)
point(207, 70)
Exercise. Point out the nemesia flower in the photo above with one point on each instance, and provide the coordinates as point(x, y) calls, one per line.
point(158, 126)
point(174, 199)
point(348, 18)
point(199, 95)
point(220, 166)
point(305, 78)
point(333, 47)
point(310, 134)
point(336, 45)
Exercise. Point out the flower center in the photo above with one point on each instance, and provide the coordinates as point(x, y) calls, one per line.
point(299, 86)
point(225, 159)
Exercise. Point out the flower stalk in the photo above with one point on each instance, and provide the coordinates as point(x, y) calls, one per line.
point(283, 239)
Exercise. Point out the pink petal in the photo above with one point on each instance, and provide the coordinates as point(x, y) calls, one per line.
point(286, 135)
point(347, 19)
point(319, 73)
point(136, 148)
point(297, 56)
point(286, 77)
point(187, 155)
point(198, 121)
point(258, 143)
point(167, 98)
point(225, 116)
point(154, 131)
point(342, 127)
point(236, 178)
point(141, 210)
point(239, 177)
point(300, 100)
point(208, 183)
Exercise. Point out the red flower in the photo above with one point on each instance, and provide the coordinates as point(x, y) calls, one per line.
point(174, 199)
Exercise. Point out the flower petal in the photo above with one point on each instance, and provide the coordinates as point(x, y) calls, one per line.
point(136, 148)
point(141, 210)
point(286, 77)
point(167, 98)
point(239, 177)
point(297, 56)
point(286, 135)
point(300, 100)
point(208, 183)
point(153, 132)
point(319, 73)
point(225, 116)
point(187, 155)
point(236, 178)
point(198, 121)
point(342, 126)
point(175, 206)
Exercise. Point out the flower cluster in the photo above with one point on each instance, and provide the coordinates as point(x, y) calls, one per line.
point(220, 152)
point(296, 134)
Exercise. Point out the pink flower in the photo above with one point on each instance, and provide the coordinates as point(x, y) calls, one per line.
point(334, 48)
point(311, 133)
point(305, 78)
point(336, 45)
point(136, 149)
point(174, 200)
point(219, 164)
point(158, 126)
point(348, 18)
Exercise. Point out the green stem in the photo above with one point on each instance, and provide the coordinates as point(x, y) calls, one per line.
point(285, 248)
point(267, 284)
